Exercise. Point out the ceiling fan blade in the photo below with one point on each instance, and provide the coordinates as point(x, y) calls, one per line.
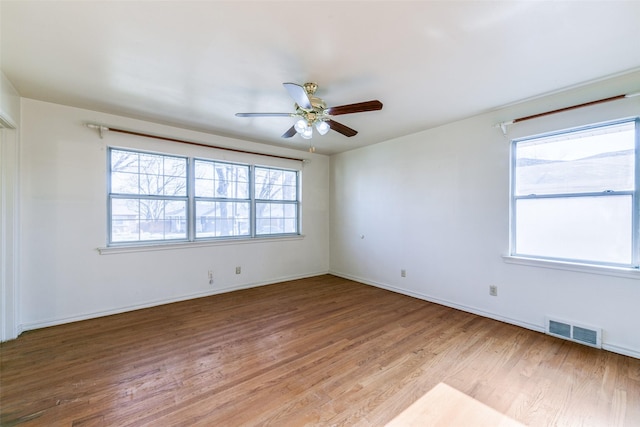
point(290, 132)
point(299, 95)
point(355, 108)
point(263, 114)
point(340, 128)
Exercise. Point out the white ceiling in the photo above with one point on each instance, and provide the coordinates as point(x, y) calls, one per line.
point(194, 64)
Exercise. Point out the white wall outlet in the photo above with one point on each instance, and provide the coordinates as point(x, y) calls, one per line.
point(403, 273)
point(493, 290)
point(210, 276)
point(238, 270)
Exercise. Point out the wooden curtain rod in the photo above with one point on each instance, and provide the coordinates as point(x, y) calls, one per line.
point(503, 125)
point(102, 129)
point(560, 110)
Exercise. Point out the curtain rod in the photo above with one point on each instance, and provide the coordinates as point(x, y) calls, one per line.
point(504, 125)
point(102, 129)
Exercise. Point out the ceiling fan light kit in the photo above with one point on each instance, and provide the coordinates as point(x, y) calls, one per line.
point(312, 111)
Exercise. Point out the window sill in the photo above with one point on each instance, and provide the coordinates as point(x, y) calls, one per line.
point(150, 247)
point(628, 273)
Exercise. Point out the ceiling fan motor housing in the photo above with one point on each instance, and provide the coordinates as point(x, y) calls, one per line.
point(319, 107)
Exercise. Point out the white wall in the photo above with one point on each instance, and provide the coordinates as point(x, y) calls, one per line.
point(9, 103)
point(436, 204)
point(63, 202)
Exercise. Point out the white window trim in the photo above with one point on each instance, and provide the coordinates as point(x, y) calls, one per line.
point(151, 247)
point(626, 272)
point(562, 264)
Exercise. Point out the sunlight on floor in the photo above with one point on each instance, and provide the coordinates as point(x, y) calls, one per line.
point(445, 406)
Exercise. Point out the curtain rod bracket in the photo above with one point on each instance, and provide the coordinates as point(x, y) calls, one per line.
point(100, 128)
point(503, 126)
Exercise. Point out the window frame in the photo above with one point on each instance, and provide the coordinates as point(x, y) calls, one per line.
point(190, 210)
point(284, 202)
point(196, 198)
point(111, 196)
point(634, 264)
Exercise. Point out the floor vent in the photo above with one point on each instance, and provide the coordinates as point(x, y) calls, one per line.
point(582, 334)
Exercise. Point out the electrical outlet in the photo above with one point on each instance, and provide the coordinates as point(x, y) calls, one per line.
point(238, 270)
point(210, 275)
point(493, 290)
point(403, 273)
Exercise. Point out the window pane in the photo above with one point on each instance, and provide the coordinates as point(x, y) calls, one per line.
point(594, 160)
point(576, 228)
point(124, 172)
point(221, 180)
point(161, 219)
point(290, 225)
point(205, 188)
point(175, 166)
point(124, 161)
point(125, 220)
point(143, 219)
point(222, 219)
point(174, 186)
point(276, 184)
point(148, 174)
point(290, 210)
point(150, 164)
point(175, 219)
point(264, 184)
point(276, 218)
point(175, 177)
point(125, 183)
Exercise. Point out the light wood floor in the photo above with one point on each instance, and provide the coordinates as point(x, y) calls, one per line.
point(318, 351)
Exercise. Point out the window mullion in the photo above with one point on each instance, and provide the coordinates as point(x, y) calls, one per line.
point(636, 200)
point(512, 202)
point(191, 204)
point(252, 197)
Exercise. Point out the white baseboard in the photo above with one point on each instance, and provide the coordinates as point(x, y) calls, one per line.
point(538, 328)
point(621, 350)
point(92, 315)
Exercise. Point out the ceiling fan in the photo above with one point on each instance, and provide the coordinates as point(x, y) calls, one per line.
point(312, 111)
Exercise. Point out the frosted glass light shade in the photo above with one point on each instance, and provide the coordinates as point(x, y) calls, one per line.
point(307, 133)
point(301, 125)
point(323, 127)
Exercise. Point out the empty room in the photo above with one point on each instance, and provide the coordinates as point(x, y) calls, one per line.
point(338, 213)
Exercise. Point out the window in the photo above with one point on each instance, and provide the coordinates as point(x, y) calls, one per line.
point(148, 197)
point(222, 199)
point(276, 201)
point(163, 198)
point(575, 195)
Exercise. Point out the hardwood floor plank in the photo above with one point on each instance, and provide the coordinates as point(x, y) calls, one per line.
point(318, 351)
